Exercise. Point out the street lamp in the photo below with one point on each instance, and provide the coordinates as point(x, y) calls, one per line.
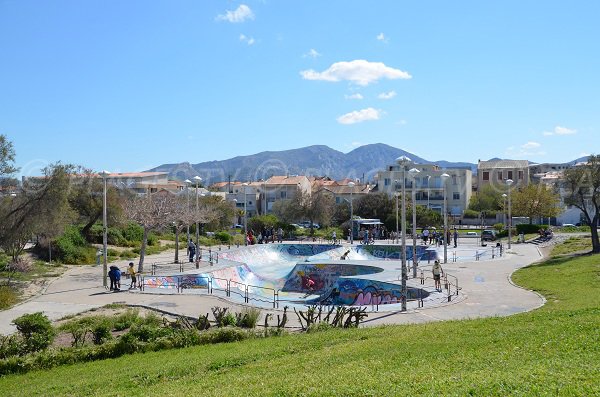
point(396, 182)
point(104, 175)
point(245, 185)
point(198, 180)
point(351, 186)
point(413, 172)
point(504, 208)
point(402, 161)
point(428, 190)
point(445, 177)
point(187, 190)
point(508, 183)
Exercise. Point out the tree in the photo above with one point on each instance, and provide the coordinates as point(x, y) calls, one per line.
point(7, 157)
point(375, 206)
point(155, 211)
point(581, 186)
point(316, 207)
point(41, 207)
point(487, 199)
point(535, 201)
point(86, 199)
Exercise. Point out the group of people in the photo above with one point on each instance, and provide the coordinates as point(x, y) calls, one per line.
point(114, 274)
point(266, 235)
point(432, 236)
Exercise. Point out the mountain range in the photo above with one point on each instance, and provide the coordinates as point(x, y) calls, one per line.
point(318, 160)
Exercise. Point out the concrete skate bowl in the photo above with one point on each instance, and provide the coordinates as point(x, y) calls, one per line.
point(289, 274)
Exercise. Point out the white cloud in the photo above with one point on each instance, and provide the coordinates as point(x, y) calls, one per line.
point(558, 130)
point(354, 96)
point(387, 95)
point(531, 145)
point(356, 144)
point(242, 13)
point(359, 116)
point(246, 39)
point(358, 71)
point(381, 37)
point(312, 53)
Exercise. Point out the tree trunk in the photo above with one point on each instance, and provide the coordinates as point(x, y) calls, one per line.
point(86, 229)
point(176, 244)
point(143, 251)
point(594, 230)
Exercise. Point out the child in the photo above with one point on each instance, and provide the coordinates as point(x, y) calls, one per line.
point(131, 273)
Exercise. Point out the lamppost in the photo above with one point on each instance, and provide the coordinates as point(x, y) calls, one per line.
point(428, 191)
point(402, 161)
point(104, 175)
point(397, 195)
point(187, 190)
point(509, 182)
point(198, 180)
point(504, 208)
point(445, 177)
point(351, 186)
point(245, 185)
point(413, 172)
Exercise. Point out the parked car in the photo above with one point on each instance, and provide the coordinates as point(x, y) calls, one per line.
point(488, 235)
point(568, 225)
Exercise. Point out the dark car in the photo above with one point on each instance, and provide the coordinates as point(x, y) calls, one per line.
point(488, 235)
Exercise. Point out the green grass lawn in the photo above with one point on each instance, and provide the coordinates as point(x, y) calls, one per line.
point(573, 244)
point(554, 350)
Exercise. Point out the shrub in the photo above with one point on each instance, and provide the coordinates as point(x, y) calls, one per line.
point(127, 254)
point(10, 346)
point(223, 237)
point(133, 232)
point(114, 236)
point(223, 335)
point(8, 297)
point(101, 331)
point(499, 227)
point(529, 229)
point(126, 320)
point(319, 327)
point(71, 248)
point(470, 214)
point(228, 319)
point(248, 317)
point(36, 330)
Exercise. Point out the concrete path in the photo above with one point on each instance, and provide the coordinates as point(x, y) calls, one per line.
point(486, 291)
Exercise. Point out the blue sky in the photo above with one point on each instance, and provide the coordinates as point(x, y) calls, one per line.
point(129, 85)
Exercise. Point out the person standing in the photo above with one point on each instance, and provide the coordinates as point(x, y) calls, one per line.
point(191, 250)
point(437, 275)
point(131, 273)
point(334, 237)
point(455, 238)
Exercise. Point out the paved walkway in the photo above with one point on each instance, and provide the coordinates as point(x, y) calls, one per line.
point(486, 291)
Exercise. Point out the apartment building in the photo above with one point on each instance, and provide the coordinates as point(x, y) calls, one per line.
point(428, 185)
point(497, 172)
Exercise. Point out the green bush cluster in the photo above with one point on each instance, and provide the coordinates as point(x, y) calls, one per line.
point(71, 248)
point(144, 334)
point(224, 237)
point(530, 229)
point(8, 297)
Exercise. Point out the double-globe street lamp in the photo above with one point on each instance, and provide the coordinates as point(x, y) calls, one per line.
point(187, 191)
point(444, 178)
point(504, 195)
point(351, 186)
point(104, 175)
point(509, 182)
point(413, 172)
point(403, 161)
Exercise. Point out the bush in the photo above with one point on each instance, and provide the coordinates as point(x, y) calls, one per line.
point(71, 248)
point(8, 297)
point(499, 227)
point(36, 330)
point(248, 317)
point(10, 346)
point(228, 319)
point(114, 237)
point(470, 214)
point(319, 327)
point(223, 335)
point(133, 232)
point(126, 320)
point(101, 331)
point(529, 229)
point(223, 237)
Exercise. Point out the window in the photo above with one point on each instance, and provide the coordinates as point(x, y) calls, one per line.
point(486, 176)
point(499, 175)
point(454, 180)
point(510, 175)
point(455, 196)
point(387, 182)
point(521, 175)
point(283, 194)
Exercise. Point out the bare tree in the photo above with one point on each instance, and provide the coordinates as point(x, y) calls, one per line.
point(155, 211)
point(581, 185)
point(316, 207)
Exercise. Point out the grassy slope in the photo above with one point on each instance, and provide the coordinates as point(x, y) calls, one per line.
point(552, 351)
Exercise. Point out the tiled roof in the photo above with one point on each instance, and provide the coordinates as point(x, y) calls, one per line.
point(503, 164)
point(134, 174)
point(286, 180)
